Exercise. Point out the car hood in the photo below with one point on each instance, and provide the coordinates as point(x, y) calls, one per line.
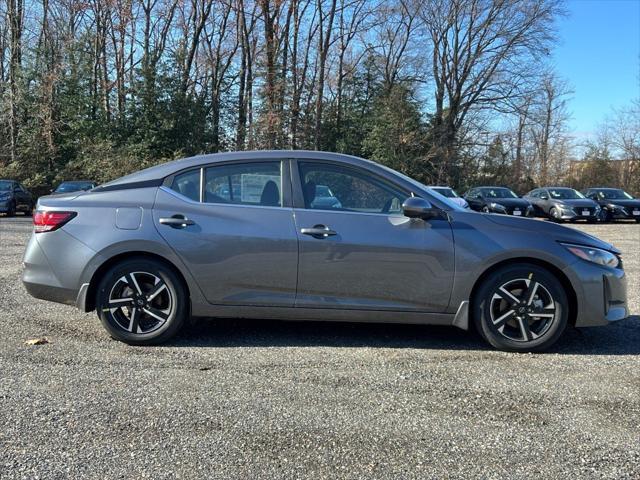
point(553, 230)
point(623, 203)
point(509, 202)
point(578, 202)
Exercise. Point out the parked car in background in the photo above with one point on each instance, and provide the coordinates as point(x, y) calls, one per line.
point(15, 198)
point(563, 204)
point(498, 200)
point(74, 186)
point(324, 198)
point(150, 249)
point(451, 194)
point(615, 203)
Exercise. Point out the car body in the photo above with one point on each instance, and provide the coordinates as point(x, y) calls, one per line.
point(15, 198)
point(451, 194)
point(498, 200)
point(71, 186)
point(616, 204)
point(152, 248)
point(563, 204)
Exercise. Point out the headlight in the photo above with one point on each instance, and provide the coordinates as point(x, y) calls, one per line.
point(594, 255)
point(496, 206)
point(611, 206)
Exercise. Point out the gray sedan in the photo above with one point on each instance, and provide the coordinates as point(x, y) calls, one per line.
point(243, 235)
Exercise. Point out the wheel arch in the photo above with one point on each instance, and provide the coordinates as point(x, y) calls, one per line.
point(90, 302)
point(559, 274)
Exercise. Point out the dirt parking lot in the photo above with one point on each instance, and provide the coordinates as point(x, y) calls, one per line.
point(262, 399)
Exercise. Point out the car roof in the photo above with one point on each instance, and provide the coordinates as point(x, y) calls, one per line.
point(165, 169)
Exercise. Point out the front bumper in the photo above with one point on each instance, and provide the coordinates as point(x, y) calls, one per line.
point(601, 293)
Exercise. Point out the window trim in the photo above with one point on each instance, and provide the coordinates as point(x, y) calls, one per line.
point(298, 197)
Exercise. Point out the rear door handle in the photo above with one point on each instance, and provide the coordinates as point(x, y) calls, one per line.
point(176, 221)
point(318, 231)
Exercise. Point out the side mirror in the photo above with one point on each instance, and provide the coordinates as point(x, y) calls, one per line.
point(416, 207)
point(544, 197)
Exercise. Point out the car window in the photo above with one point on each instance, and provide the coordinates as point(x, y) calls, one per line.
point(534, 194)
point(615, 195)
point(188, 184)
point(258, 183)
point(498, 193)
point(565, 194)
point(352, 190)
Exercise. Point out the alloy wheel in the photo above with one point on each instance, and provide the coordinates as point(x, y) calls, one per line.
point(140, 302)
point(522, 309)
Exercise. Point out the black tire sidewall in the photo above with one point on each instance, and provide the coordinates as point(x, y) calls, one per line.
point(482, 300)
point(175, 286)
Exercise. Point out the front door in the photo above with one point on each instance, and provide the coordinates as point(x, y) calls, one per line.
point(357, 250)
point(231, 228)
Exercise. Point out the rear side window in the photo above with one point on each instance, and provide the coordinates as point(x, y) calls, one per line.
point(258, 184)
point(188, 184)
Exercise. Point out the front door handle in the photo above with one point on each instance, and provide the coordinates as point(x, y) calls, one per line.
point(176, 221)
point(318, 231)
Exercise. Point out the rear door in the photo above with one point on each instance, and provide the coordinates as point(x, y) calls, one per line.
point(358, 251)
point(232, 225)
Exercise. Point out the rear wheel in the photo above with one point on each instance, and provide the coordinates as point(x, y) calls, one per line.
point(141, 302)
point(485, 209)
point(521, 308)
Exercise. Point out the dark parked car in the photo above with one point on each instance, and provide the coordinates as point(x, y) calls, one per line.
point(151, 249)
point(615, 203)
point(14, 197)
point(563, 204)
point(498, 200)
point(74, 186)
point(451, 194)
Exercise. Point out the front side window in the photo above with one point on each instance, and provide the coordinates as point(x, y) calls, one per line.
point(188, 184)
point(258, 184)
point(334, 187)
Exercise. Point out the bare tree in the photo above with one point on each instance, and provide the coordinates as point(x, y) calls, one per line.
point(481, 53)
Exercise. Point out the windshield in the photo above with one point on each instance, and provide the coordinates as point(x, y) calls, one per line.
point(5, 186)
point(447, 192)
point(498, 193)
point(73, 187)
point(565, 194)
point(615, 195)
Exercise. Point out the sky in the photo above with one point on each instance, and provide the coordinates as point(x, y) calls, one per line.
point(599, 55)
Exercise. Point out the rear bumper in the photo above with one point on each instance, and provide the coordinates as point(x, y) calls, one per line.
point(53, 265)
point(601, 293)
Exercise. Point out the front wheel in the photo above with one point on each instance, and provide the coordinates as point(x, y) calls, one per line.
point(141, 302)
point(521, 308)
point(555, 215)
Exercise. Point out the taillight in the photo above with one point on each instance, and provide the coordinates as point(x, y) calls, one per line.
point(48, 221)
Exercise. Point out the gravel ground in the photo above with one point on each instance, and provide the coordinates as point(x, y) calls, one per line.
point(261, 399)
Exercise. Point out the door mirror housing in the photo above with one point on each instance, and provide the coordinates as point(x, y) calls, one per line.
point(416, 207)
point(544, 196)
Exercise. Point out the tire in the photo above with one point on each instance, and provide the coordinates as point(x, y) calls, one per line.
point(522, 330)
point(554, 215)
point(11, 211)
point(485, 209)
point(142, 302)
point(29, 211)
